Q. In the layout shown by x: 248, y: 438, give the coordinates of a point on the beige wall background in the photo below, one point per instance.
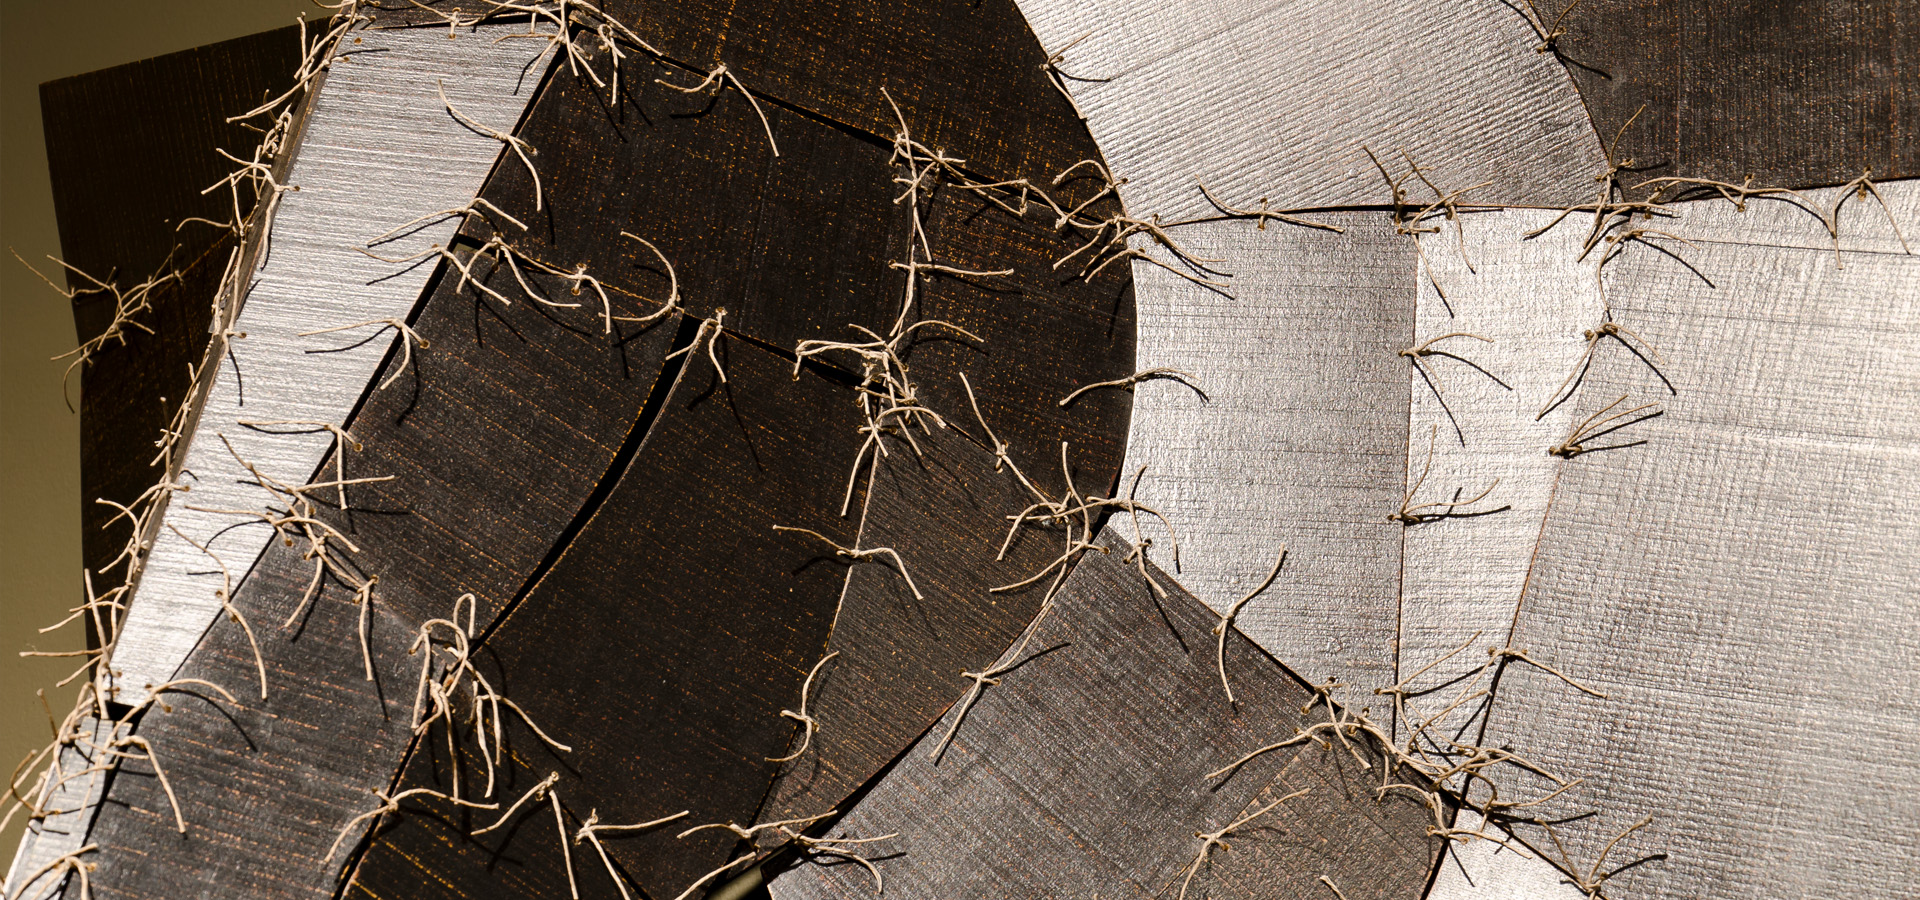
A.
x: 39, y: 438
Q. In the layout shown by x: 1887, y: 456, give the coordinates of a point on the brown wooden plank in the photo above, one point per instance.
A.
x: 1795, y: 95
x: 499, y: 435
x: 129, y: 150
x: 799, y: 247
x: 1346, y: 834
x: 661, y: 647
x: 944, y: 512
x: 1085, y: 768
x: 973, y: 71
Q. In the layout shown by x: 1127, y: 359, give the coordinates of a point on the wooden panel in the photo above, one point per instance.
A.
x: 661, y: 647
x: 129, y: 149
x: 1462, y: 574
x: 1740, y: 584
x: 1264, y: 98
x: 263, y: 785
x: 1086, y: 765
x: 1301, y: 438
x: 1339, y: 831
x: 799, y: 248
x: 1795, y: 95
x: 970, y: 71
x: 969, y: 74
x: 899, y: 659
x: 129, y: 396
x: 498, y: 435
x: 362, y: 171
x: 71, y: 798
x: 791, y: 248
x: 1484, y: 870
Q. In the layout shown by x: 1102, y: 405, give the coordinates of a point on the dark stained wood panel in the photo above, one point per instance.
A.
x: 800, y: 247
x: 129, y: 394
x: 662, y: 646
x: 264, y: 785
x: 794, y: 248
x: 969, y: 75
x: 791, y: 248
x: 972, y: 70
x: 129, y: 150
x: 1794, y: 94
x: 497, y: 437
x: 1085, y: 768
x: 944, y: 512
x: 1340, y: 831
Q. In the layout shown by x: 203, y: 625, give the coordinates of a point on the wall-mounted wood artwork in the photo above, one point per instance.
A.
x: 1025, y: 448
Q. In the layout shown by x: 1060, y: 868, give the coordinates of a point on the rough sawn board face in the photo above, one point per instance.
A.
x: 1272, y: 99
x: 1740, y: 585
x: 1301, y: 438
x: 362, y: 171
x: 660, y: 648
x: 1084, y: 769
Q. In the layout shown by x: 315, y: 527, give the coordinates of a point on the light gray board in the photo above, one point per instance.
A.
x: 1743, y: 585
x: 72, y: 798
x: 1274, y: 98
x: 1534, y: 298
x: 379, y: 149
x: 1303, y: 439
x: 1485, y: 870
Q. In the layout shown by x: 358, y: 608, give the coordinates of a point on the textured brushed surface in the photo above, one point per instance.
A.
x: 1274, y: 98
x: 1302, y: 439
x: 379, y: 149
x: 1484, y: 870
x: 1463, y: 574
x: 1742, y: 585
x: 72, y: 798
x: 1083, y: 772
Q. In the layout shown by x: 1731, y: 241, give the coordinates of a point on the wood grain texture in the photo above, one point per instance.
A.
x: 1301, y: 439
x: 1262, y: 98
x: 1462, y: 575
x: 361, y: 172
x: 129, y: 150
x: 499, y: 436
x: 1484, y: 870
x: 1796, y: 95
x: 264, y: 785
x: 1340, y: 830
x: 1084, y: 769
x: 1740, y: 585
x: 944, y: 511
x: 970, y: 73
x: 72, y: 798
x: 267, y: 787
x: 800, y: 247
x: 662, y: 645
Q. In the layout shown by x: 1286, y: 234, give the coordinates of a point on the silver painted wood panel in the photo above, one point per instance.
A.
x: 1274, y: 98
x: 1463, y: 575
x: 1302, y: 437
x: 1484, y: 870
x: 379, y: 150
x: 71, y: 799
x: 1742, y: 585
